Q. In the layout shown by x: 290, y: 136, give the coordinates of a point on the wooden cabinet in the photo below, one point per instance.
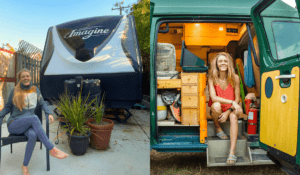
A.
x: 193, y: 99
x: 189, y: 79
x: 192, y: 86
x: 189, y: 101
x: 189, y: 90
x: 192, y: 93
x: 189, y: 98
x: 189, y: 117
x: 168, y: 84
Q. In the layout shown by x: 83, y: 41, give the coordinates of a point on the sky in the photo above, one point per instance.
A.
x: 30, y: 20
x: 290, y: 2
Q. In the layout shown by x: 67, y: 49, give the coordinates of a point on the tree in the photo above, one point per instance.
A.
x: 141, y: 12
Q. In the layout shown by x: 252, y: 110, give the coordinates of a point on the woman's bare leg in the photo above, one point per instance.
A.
x: 216, y: 111
x: 233, y: 132
x: 21, y: 125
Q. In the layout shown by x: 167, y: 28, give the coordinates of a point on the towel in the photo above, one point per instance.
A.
x: 248, y: 69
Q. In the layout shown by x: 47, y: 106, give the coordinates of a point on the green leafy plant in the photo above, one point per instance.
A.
x: 76, y: 112
x: 99, y: 110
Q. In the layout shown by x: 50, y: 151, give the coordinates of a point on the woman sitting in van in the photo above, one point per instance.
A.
x: 224, y: 94
x: 22, y: 102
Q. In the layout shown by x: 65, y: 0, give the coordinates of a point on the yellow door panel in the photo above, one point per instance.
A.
x: 279, y: 120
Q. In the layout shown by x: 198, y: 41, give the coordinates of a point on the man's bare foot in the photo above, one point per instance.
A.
x: 58, y: 153
x: 25, y: 170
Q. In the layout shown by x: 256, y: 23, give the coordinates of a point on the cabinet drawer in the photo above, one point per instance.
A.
x: 189, y: 117
x: 189, y: 78
x: 189, y: 101
x: 189, y: 90
x: 168, y: 84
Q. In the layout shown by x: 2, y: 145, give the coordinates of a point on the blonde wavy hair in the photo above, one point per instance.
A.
x: 214, y: 72
x: 19, y: 93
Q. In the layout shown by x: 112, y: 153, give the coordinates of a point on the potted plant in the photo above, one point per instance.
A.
x: 76, y: 112
x: 101, y: 128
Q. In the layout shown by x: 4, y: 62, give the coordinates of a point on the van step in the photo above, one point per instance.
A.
x: 221, y: 160
x: 218, y: 151
x: 211, y: 131
x: 220, y: 148
x: 180, y: 147
x: 259, y: 157
x: 179, y: 143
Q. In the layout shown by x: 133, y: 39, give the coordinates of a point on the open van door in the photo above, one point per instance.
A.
x: 278, y: 34
x: 153, y: 131
x: 151, y: 11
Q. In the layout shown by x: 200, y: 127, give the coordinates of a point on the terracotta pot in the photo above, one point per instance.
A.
x: 100, y: 133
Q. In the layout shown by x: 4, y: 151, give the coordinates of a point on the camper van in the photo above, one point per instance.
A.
x: 101, y: 48
x: 261, y: 36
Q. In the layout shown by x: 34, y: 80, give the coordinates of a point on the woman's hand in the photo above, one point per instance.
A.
x: 51, y: 119
x: 224, y: 116
x: 237, y: 107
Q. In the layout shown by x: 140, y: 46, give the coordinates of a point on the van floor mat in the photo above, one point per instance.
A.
x: 217, y: 138
x: 224, y: 159
x: 259, y: 157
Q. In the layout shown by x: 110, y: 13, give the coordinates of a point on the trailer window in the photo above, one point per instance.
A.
x: 84, y: 36
x: 287, y: 38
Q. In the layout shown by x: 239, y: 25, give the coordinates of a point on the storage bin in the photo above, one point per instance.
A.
x: 167, y: 74
x: 166, y: 57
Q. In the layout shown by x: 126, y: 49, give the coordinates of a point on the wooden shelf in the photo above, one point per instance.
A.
x: 165, y: 123
x: 168, y: 123
x: 168, y: 83
x: 193, y: 101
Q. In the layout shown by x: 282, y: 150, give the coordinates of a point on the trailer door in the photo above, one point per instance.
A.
x: 277, y: 28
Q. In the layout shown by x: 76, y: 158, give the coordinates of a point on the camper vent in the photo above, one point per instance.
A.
x: 175, y: 31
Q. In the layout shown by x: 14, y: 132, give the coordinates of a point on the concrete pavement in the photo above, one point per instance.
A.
x: 128, y: 152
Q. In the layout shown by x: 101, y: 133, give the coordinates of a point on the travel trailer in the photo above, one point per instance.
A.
x: 185, y: 36
x: 104, y: 48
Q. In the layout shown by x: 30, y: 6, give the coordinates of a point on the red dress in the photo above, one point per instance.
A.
x: 228, y: 93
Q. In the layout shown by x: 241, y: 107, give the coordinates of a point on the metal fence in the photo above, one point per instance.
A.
x: 29, y: 56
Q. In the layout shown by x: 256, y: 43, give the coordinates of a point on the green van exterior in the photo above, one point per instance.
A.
x: 278, y: 62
